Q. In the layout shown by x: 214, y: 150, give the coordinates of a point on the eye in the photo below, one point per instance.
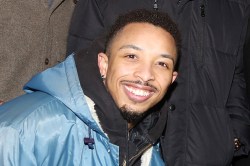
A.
x: 131, y: 56
x: 165, y: 65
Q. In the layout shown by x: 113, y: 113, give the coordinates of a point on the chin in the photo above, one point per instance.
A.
x: 131, y: 115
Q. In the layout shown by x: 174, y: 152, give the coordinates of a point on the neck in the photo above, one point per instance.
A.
x: 130, y: 126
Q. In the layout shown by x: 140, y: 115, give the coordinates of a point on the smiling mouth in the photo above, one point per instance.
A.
x: 138, y: 93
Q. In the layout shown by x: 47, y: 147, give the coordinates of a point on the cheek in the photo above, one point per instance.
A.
x: 114, y: 76
x: 164, y: 83
x: 117, y: 72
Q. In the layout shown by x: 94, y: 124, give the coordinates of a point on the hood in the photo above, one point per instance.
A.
x: 92, y: 84
x: 62, y: 82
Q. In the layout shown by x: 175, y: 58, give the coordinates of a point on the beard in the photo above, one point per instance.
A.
x: 131, y: 115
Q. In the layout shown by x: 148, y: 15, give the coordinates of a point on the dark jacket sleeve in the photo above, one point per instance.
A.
x: 86, y: 24
x: 239, y: 106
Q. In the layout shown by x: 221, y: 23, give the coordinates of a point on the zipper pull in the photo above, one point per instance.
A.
x: 89, y: 140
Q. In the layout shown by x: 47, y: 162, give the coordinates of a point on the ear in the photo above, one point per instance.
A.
x: 103, y: 64
x: 174, y: 76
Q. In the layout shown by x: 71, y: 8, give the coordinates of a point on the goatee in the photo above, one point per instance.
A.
x: 131, y: 115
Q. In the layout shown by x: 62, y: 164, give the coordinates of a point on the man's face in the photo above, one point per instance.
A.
x: 140, y: 67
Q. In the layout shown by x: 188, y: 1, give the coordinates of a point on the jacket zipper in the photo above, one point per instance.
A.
x: 202, y: 15
x: 140, y: 152
x: 202, y: 8
x: 126, y: 161
x: 155, y: 6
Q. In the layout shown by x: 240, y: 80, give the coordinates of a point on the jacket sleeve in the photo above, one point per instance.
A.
x: 239, y: 106
x: 12, y: 151
x: 86, y: 24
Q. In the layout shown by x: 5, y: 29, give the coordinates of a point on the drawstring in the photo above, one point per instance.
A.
x: 89, y: 140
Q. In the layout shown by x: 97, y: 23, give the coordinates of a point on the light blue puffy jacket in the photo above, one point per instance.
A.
x: 47, y: 126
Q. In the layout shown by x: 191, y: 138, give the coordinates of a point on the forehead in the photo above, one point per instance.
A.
x: 146, y: 36
x: 140, y: 27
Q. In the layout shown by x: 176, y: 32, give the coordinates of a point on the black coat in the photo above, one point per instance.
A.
x: 209, y: 107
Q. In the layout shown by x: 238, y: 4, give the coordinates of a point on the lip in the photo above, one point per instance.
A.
x: 138, y: 93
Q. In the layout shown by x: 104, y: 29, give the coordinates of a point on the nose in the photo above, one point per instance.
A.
x: 145, y: 72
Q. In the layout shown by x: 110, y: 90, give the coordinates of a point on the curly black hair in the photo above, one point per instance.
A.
x: 155, y: 18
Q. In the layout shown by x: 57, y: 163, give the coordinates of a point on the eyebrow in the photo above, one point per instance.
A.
x: 130, y: 46
x: 168, y: 56
x: 139, y: 49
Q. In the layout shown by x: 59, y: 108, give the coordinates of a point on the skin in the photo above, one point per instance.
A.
x: 140, y: 66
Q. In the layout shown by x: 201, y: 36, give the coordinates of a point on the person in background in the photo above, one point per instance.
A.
x: 209, y: 119
x: 33, y: 37
x: 98, y: 108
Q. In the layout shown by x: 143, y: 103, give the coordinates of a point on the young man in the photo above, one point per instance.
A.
x: 103, y: 110
x: 209, y: 122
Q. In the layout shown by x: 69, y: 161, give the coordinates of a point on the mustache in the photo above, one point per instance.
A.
x: 139, y: 82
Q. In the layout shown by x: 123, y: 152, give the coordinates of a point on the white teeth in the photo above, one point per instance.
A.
x: 137, y: 92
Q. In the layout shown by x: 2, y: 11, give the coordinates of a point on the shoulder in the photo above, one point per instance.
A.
x: 32, y: 108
